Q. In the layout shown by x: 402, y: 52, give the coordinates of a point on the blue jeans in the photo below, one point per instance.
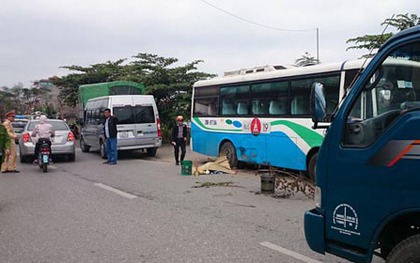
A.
x: 111, y: 150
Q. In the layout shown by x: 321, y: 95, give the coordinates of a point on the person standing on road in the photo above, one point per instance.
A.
x: 4, y: 145
x: 110, y: 131
x: 179, y: 138
x: 9, y: 163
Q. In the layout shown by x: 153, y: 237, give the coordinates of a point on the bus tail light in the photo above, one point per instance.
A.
x: 159, y: 130
x: 26, y: 137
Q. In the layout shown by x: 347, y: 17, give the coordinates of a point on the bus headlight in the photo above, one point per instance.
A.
x: 318, y: 196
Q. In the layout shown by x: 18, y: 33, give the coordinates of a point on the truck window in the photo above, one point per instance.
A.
x: 393, y: 89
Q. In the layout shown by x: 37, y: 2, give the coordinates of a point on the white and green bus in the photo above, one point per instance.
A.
x: 263, y: 116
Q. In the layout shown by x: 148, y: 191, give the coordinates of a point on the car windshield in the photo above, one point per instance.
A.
x: 19, y: 125
x: 57, y: 125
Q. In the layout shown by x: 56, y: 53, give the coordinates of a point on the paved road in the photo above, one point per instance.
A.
x: 144, y: 210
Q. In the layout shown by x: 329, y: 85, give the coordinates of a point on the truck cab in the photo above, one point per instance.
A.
x: 367, y: 172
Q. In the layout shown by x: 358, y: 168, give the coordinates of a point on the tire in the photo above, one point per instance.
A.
x: 71, y: 157
x: 102, y: 150
x: 385, y: 250
x: 312, y: 167
x: 151, y: 151
x: 83, y: 146
x: 44, y: 167
x: 407, y: 250
x: 23, y: 159
x: 229, y: 151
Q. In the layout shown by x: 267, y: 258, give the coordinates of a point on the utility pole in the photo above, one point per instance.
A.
x: 317, y: 44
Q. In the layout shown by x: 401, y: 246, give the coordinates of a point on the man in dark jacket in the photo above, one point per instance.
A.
x: 110, y: 131
x: 179, y: 138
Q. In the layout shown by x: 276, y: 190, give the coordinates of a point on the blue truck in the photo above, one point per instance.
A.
x: 368, y: 168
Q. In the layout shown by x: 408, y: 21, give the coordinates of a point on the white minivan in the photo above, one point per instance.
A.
x: 138, y: 123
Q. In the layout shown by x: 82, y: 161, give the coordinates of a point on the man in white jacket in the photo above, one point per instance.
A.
x: 43, y: 130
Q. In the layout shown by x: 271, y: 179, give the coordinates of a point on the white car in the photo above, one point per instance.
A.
x: 62, y: 144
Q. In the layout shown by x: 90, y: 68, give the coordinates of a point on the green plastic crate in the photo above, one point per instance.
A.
x: 186, y: 167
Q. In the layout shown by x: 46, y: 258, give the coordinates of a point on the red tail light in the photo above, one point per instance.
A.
x: 158, y: 128
x: 70, y: 137
x: 26, y: 137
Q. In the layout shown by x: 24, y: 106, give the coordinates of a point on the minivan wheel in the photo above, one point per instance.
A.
x: 102, y: 149
x: 83, y: 146
x: 151, y: 151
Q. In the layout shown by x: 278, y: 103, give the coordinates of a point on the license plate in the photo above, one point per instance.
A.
x: 123, y: 134
x: 45, y: 158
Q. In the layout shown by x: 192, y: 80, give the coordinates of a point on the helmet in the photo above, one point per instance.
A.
x: 179, y: 118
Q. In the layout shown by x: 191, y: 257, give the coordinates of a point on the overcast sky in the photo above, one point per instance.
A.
x: 39, y: 36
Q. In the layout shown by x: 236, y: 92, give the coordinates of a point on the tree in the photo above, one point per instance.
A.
x: 103, y: 72
x: 374, y: 42
x: 306, y: 60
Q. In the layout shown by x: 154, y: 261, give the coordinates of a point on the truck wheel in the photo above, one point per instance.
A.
x: 102, y: 149
x: 151, y: 151
x: 83, y: 146
x: 229, y: 151
x: 312, y: 167
x: 407, y: 250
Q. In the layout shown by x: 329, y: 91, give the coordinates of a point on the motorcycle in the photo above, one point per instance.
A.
x: 75, y: 130
x: 44, y: 155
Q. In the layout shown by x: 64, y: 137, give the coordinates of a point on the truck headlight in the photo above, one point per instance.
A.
x: 318, y: 196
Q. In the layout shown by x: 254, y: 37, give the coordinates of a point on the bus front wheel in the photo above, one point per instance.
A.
x: 229, y: 151
x: 312, y: 167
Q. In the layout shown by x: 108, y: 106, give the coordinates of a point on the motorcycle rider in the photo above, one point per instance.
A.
x: 44, y: 130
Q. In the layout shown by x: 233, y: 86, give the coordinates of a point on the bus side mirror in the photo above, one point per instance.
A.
x: 318, y: 104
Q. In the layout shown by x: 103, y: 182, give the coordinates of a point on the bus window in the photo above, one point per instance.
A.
x: 277, y: 107
x: 259, y: 107
x: 242, y: 108
x: 206, y: 107
x: 227, y: 108
x: 270, y: 98
x: 234, y: 100
x: 300, y: 92
x: 206, y: 101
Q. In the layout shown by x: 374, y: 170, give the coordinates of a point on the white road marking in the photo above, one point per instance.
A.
x: 289, y: 252
x: 109, y: 188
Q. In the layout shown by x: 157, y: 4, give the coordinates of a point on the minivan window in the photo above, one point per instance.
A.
x: 134, y: 114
